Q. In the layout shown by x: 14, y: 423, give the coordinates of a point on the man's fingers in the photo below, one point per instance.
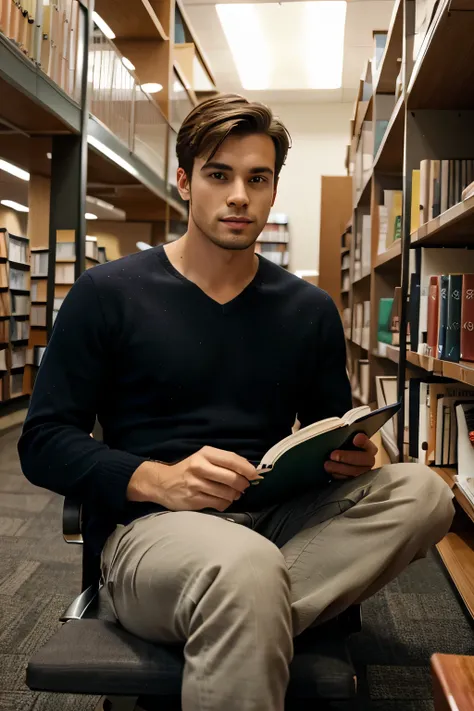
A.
x: 361, y: 440
x: 232, y: 461
x: 353, y: 457
x: 217, y: 491
x: 231, y: 479
x: 344, y: 470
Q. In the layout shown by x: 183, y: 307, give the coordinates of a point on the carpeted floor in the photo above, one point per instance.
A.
x: 412, y: 618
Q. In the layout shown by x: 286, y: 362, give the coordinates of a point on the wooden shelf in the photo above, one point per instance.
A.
x: 457, y: 553
x: 392, y: 257
x: 389, y: 158
x: 364, y: 197
x: 360, y: 279
x: 441, y: 77
x: 390, y: 66
x: 455, y: 226
x: 389, y: 352
x: 463, y: 372
x: 132, y: 20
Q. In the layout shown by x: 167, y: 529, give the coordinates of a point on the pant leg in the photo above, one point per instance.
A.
x: 350, y: 541
x: 217, y: 587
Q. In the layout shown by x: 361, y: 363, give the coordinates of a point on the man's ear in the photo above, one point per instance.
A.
x: 275, y: 189
x: 184, y: 187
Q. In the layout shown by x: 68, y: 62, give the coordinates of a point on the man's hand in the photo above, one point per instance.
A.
x: 210, y: 478
x: 351, y: 463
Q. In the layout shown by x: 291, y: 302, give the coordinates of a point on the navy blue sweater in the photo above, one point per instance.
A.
x: 167, y: 370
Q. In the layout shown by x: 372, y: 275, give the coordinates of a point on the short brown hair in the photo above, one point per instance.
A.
x: 208, y: 125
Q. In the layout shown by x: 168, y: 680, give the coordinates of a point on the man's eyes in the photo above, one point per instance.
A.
x: 255, y: 179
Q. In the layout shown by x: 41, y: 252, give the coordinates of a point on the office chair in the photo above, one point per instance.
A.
x: 92, y: 654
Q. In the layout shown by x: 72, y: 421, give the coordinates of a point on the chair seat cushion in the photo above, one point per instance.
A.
x: 96, y: 656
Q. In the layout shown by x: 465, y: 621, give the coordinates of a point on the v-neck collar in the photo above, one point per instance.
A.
x: 229, y: 305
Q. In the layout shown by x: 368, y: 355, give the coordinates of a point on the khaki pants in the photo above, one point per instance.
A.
x: 236, y: 595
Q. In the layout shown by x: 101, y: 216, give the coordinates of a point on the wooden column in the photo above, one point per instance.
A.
x: 336, y: 211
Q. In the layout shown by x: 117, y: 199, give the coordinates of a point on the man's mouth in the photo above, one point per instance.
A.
x: 237, y: 222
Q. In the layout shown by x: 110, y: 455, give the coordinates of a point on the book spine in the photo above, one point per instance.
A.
x: 467, y: 318
x: 424, y: 190
x: 443, y: 314
x: 414, y: 310
x: 433, y: 298
x: 453, y: 324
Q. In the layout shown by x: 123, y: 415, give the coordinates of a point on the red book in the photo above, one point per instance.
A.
x: 467, y: 318
x: 433, y: 299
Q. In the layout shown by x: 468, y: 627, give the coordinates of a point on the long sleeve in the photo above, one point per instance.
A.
x: 56, y: 450
x: 326, y: 390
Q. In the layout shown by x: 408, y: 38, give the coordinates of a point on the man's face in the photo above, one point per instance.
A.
x: 232, y: 194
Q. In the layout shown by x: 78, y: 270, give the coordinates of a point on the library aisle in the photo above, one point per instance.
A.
x: 375, y: 205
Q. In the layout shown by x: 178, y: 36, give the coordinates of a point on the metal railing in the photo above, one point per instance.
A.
x: 119, y: 102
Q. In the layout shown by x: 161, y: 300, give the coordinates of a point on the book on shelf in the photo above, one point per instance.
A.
x: 39, y: 264
x: 3, y: 360
x: 92, y: 248
x: 65, y: 273
x: 16, y: 384
x: 415, y: 201
x: 39, y: 290
x: 465, y: 442
x: 364, y: 380
x: 18, y: 357
x: 38, y: 315
x: 450, y: 330
x: 18, y: 279
x: 441, y: 262
x: 385, y: 331
x: 390, y: 219
x: 66, y: 250
x: 102, y: 255
x: 19, y: 330
x: 442, y: 185
x: 18, y: 249
x: 296, y: 463
x: 20, y: 304
x: 432, y: 418
x: 386, y: 394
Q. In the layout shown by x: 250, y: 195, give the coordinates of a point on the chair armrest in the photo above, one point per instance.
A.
x: 80, y: 605
x: 72, y: 521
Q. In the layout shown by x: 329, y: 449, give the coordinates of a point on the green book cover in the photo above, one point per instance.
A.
x: 384, y: 334
x: 296, y: 464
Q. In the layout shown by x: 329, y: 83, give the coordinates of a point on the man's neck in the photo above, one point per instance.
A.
x: 221, y: 273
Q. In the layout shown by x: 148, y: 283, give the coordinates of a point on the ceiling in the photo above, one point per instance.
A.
x: 362, y: 17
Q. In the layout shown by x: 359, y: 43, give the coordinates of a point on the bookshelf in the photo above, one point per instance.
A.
x: 416, y: 105
x: 274, y: 240
x: 85, y: 129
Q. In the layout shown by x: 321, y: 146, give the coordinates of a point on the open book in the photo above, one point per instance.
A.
x: 296, y: 464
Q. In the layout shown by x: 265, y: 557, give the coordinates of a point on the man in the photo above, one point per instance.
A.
x: 196, y: 358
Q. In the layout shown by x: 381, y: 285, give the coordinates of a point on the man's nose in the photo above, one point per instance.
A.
x: 238, y: 195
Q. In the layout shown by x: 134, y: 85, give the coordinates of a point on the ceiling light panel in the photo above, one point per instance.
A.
x: 294, y: 45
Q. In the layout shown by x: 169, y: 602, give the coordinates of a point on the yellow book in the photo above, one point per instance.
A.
x: 415, y: 200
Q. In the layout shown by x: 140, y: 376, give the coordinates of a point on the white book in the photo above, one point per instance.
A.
x: 465, y: 475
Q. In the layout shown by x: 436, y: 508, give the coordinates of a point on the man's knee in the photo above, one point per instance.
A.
x: 423, y: 494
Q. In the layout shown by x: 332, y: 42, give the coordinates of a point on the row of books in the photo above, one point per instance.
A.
x: 19, y: 330
x: 388, y: 324
x: 441, y: 314
x: 362, y: 246
x: 51, y: 41
x: 361, y: 324
x: 18, y: 249
x: 437, y: 186
x: 39, y: 263
x: 276, y: 253
x: 432, y: 422
x: 360, y: 381
x: 390, y: 219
